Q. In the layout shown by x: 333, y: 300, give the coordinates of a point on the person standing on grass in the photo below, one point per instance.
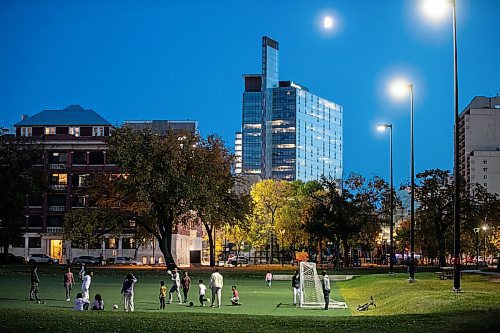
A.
x: 326, y: 289
x: 296, y: 287
x: 186, y: 283
x: 176, y: 285
x: 128, y: 292
x: 269, y: 278
x: 68, y: 283
x: 34, y: 284
x: 202, y: 289
x: 81, y: 273
x: 87, y: 280
x: 163, y: 294
x: 216, y: 284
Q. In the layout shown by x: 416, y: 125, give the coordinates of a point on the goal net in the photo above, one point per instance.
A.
x: 311, y: 290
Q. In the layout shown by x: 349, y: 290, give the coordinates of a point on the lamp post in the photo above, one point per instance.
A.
x: 399, y: 89
x: 383, y: 127
x: 437, y: 9
x: 476, y: 231
x: 282, y: 232
x: 484, y: 230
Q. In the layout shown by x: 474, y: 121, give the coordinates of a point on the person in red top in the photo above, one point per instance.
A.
x: 235, y: 300
x: 68, y: 283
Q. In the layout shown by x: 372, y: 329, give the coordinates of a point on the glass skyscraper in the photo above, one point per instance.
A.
x: 288, y: 132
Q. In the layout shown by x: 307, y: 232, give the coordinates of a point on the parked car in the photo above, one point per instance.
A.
x: 42, y: 258
x: 126, y: 261
x: 9, y: 258
x: 237, y: 260
x: 110, y: 261
x: 87, y: 260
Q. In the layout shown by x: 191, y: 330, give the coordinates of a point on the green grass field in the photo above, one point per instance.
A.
x: 425, y: 306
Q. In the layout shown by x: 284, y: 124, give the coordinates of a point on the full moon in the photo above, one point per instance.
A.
x: 327, y: 22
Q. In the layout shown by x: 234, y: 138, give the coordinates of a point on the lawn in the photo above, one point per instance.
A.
x: 425, y: 306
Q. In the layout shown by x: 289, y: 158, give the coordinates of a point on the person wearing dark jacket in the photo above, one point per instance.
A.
x: 296, y: 287
x: 185, y: 283
x: 128, y: 292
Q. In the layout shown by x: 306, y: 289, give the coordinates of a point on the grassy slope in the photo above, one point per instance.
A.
x: 422, y: 307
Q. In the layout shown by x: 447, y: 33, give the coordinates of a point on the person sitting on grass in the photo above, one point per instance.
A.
x: 98, y: 303
x: 235, y: 300
x: 80, y: 302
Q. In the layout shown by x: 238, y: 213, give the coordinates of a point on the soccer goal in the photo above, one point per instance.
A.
x: 311, y: 290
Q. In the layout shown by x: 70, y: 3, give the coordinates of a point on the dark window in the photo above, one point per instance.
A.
x: 96, y: 158
x: 38, y: 131
x: 80, y: 157
x: 35, y: 221
x: 36, y: 199
x: 62, y: 130
x: 54, y: 221
x: 128, y: 243
x: 56, y: 200
x: 78, y: 201
x: 57, y: 158
x: 18, y: 242
x: 106, y: 131
x: 35, y: 242
x: 85, y: 131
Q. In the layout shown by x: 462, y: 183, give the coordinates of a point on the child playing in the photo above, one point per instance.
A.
x: 80, y: 302
x: 235, y: 300
x: 269, y: 278
x: 98, y: 303
x: 202, y: 291
x: 163, y: 294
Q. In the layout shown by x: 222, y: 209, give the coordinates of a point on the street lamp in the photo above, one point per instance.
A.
x: 476, y: 231
x: 437, y: 9
x: 383, y: 127
x: 399, y: 89
x: 484, y: 230
x: 282, y: 232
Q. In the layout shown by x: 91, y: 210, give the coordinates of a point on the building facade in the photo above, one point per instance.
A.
x: 288, y: 132
x: 479, y: 145
x: 74, y: 148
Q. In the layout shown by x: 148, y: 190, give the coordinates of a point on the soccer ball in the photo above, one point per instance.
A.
x: 169, y: 272
x: 115, y: 306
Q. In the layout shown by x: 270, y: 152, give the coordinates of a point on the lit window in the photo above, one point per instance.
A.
x: 98, y: 131
x: 74, y: 131
x: 50, y: 130
x: 26, y: 131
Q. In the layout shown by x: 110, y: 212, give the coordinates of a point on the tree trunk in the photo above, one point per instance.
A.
x: 318, y: 257
x: 6, y: 247
x: 165, y: 243
x: 441, y: 249
x: 346, y: 252
x: 211, y: 243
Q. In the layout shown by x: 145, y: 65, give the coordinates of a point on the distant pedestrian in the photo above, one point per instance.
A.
x: 128, y: 292
x: 202, y: 289
x: 216, y: 284
x: 176, y: 285
x: 34, y: 283
x: 269, y: 278
x: 185, y: 283
x: 87, y: 280
x: 81, y: 273
x: 296, y: 287
x: 98, y: 303
x: 68, y: 283
x: 80, y: 303
x: 163, y: 294
x: 326, y: 289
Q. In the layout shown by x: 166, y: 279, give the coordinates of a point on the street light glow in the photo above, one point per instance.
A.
x: 484, y: 228
x: 399, y: 88
x: 435, y: 10
x: 327, y: 22
x: 381, y: 127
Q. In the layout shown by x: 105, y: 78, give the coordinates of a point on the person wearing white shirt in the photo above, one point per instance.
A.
x: 87, y: 280
x: 202, y: 291
x: 326, y: 289
x: 176, y: 284
x: 80, y: 302
x: 216, y: 284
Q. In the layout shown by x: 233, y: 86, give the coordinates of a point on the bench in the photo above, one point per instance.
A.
x: 445, y: 273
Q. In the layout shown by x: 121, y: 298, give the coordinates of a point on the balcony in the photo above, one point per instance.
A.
x: 58, y: 187
x: 57, y: 208
x: 55, y: 230
x: 58, y: 166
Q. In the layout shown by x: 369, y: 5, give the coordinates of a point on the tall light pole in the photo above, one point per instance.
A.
x: 476, y: 231
x: 383, y: 127
x: 437, y: 9
x: 399, y: 88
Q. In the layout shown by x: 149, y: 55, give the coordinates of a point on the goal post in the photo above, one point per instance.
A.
x: 311, y: 289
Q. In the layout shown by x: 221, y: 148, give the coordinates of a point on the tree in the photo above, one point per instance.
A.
x: 269, y: 196
x: 18, y: 179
